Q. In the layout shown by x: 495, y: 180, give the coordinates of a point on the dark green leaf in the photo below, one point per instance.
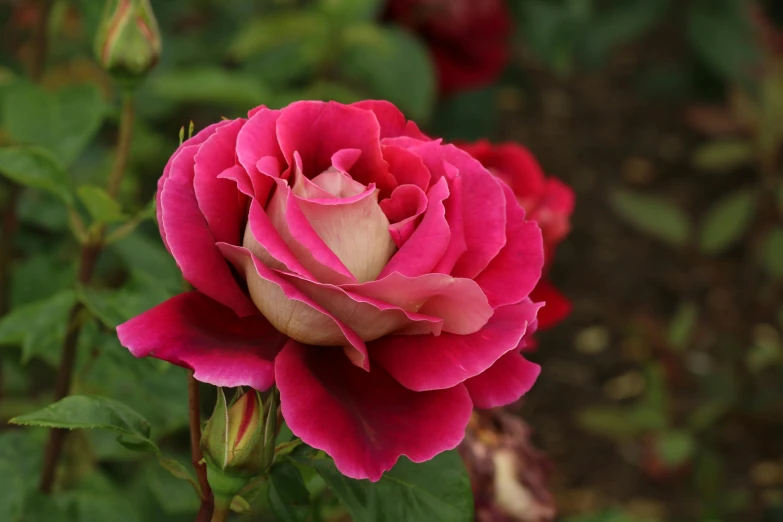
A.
x: 288, y: 495
x: 674, y: 447
x: 12, y: 492
x: 89, y: 412
x: 437, y: 490
x: 652, y: 215
x: 351, y: 11
x: 682, y: 325
x: 222, y: 87
x: 727, y: 221
x: 773, y: 253
x: 723, y: 156
x: 392, y: 65
x: 63, y: 122
x: 101, y: 206
x: 39, y: 326
x: 34, y: 167
x: 721, y: 33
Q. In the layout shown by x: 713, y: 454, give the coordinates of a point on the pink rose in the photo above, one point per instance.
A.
x: 379, y: 278
x: 548, y: 201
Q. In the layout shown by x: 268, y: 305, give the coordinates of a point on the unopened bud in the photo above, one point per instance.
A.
x: 128, y: 41
x: 239, y: 442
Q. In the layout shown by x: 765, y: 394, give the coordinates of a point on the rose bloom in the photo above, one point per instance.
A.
x: 379, y: 278
x: 468, y: 39
x: 548, y: 201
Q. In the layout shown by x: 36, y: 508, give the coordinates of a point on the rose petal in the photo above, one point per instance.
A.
x: 217, y: 198
x: 506, y: 381
x: 308, y: 248
x: 459, y: 302
x: 514, y: 272
x: 336, y: 127
x: 406, y: 166
x: 364, y: 420
x: 195, y: 332
x: 258, y: 140
x: 370, y: 318
x: 557, y: 307
x: 291, y: 311
x: 432, y: 363
x: 427, y: 244
x: 403, y: 209
x: 484, y: 213
x: 391, y: 120
x: 190, y: 240
x: 198, y: 139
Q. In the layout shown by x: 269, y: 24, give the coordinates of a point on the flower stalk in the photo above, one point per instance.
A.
x: 89, y: 257
x: 197, y: 458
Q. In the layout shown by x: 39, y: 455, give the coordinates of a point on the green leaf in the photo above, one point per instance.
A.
x: 773, y: 253
x: 674, y: 447
x: 12, y: 492
x: 148, y: 259
x: 620, y: 23
x: 175, y: 496
x: 469, y: 115
x: 723, y: 156
x: 682, y: 325
x: 63, y: 122
x: 727, y: 221
x: 39, y: 327
x: 101, y: 206
x: 90, y: 412
x: 722, y: 35
x: 392, y: 65
x: 436, y: 490
x: 213, y: 85
x: 351, y: 11
x: 652, y: 215
x: 551, y: 29
x: 288, y: 495
x: 34, y: 167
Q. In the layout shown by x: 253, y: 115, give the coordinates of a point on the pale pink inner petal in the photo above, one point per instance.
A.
x: 291, y: 311
x: 350, y: 223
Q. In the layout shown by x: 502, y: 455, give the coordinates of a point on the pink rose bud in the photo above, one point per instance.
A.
x: 238, y: 442
x: 128, y: 41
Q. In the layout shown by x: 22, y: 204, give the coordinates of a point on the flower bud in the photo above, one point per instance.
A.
x: 128, y: 41
x: 239, y: 442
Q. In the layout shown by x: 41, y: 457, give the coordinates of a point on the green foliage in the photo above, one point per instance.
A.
x: 288, y: 495
x: 62, y: 122
x: 100, y: 205
x: 727, y: 220
x: 723, y: 156
x: 773, y: 253
x: 85, y: 412
x: 384, y: 61
x: 652, y: 215
x: 437, y: 490
x: 721, y: 33
x: 34, y: 167
x: 38, y: 327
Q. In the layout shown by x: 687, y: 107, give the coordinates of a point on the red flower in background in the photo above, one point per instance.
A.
x: 547, y: 200
x: 468, y: 39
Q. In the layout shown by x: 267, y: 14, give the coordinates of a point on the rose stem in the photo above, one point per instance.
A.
x: 89, y: 256
x: 207, y: 500
x: 8, y: 221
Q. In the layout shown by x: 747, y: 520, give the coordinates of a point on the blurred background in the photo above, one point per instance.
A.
x: 661, y: 395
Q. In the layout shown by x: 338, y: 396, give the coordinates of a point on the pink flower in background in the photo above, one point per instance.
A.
x: 379, y: 278
x: 548, y: 201
x: 468, y: 39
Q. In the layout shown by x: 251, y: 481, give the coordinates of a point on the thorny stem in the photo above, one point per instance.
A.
x: 207, y: 499
x: 89, y: 257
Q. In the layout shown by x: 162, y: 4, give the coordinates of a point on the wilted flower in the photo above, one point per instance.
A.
x: 127, y: 44
x: 508, y: 474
